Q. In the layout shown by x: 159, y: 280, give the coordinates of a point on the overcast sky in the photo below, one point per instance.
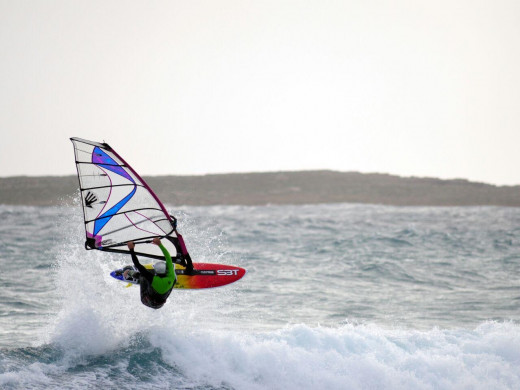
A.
x: 414, y: 88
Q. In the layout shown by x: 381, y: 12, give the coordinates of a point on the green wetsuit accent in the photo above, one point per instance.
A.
x: 162, y: 284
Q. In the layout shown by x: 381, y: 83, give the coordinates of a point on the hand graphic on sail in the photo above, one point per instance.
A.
x: 90, y: 199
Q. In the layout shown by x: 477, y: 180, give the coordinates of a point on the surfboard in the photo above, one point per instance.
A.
x: 204, y: 275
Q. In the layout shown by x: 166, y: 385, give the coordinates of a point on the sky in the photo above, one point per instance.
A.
x: 406, y: 87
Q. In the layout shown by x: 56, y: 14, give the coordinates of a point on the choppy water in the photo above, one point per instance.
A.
x: 336, y: 297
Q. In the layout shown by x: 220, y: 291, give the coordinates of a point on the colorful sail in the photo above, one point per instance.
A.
x: 118, y: 205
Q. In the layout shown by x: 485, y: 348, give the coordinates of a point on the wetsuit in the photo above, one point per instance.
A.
x: 155, y: 289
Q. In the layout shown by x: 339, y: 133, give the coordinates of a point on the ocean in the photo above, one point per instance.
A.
x: 337, y: 296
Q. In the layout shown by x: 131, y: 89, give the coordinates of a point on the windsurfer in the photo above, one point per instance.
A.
x: 155, y: 287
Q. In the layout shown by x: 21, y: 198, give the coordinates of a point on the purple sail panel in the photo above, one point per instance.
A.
x: 102, y: 159
x: 96, y: 239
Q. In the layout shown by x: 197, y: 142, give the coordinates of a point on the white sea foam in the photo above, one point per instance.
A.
x: 352, y: 356
x: 296, y: 357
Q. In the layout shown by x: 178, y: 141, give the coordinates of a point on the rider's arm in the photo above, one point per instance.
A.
x: 144, y: 272
x: 136, y: 262
x: 169, y: 262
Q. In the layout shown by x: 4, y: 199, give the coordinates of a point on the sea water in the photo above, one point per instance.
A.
x: 337, y: 296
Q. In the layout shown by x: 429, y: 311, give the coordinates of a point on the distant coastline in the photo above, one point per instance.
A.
x: 304, y: 187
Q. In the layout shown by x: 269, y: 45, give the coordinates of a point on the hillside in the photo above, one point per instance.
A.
x: 279, y: 188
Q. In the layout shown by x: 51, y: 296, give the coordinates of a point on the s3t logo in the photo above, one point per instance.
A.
x: 227, y: 272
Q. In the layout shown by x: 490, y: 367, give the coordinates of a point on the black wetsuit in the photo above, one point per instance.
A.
x: 149, y: 297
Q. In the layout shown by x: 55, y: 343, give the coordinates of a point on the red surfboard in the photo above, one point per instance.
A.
x: 205, y: 275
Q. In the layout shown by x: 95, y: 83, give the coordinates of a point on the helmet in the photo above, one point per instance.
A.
x: 160, y: 268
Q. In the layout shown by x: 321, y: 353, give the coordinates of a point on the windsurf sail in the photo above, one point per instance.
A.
x: 118, y: 206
